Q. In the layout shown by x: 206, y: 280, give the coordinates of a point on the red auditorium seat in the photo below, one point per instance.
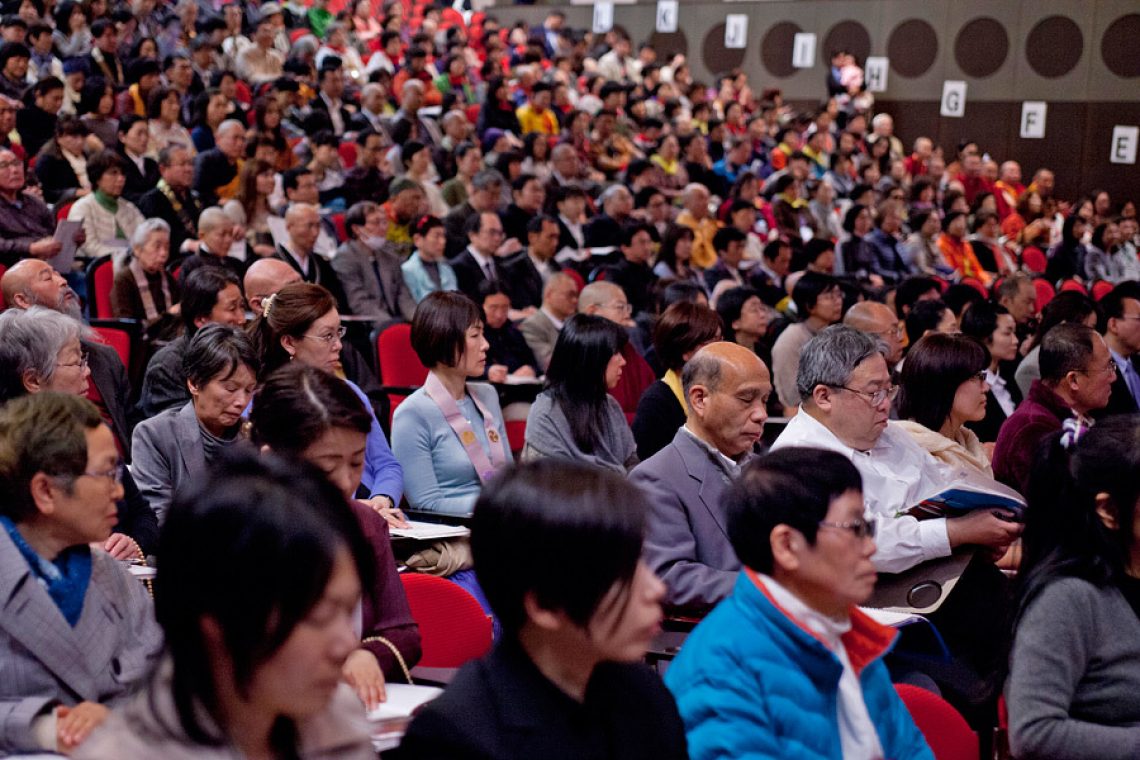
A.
x: 945, y: 730
x: 453, y: 627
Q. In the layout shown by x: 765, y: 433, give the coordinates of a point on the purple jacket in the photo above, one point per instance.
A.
x: 1036, y: 418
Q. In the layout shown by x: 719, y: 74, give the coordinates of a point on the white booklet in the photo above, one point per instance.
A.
x: 425, y: 531
x: 403, y: 700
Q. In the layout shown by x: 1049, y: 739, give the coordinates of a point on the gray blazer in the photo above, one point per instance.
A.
x: 541, y: 335
x: 168, y: 453
x: 383, y: 299
x: 44, y: 661
x: 687, y: 537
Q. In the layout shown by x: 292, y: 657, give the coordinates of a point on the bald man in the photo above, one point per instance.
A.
x: 879, y: 321
x: 726, y: 390
x: 264, y: 278
x: 303, y: 223
x: 32, y: 282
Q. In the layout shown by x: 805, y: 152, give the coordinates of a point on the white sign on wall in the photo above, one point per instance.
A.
x: 667, y: 16
x: 1033, y: 119
x: 736, y: 31
x: 803, y: 50
x: 603, y: 17
x: 875, y: 73
x: 1124, y: 141
x: 953, y: 99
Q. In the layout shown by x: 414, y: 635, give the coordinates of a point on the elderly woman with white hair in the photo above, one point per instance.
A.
x: 40, y: 351
x: 143, y: 289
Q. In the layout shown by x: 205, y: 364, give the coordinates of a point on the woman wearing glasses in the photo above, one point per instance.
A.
x: 943, y: 389
x: 40, y: 350
x: 301, y: 323
x: 175, y: 448
x: 788, y: 664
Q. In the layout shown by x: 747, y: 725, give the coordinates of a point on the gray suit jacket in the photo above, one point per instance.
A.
x: 687, y: 539
x: 168, y: 454
x: 385, y: 299
x: 44, y: 661
x: 541, y: 335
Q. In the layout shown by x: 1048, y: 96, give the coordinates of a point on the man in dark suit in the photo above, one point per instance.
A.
x: 173, y: 200
x: 1122, y: 335
x: 104, y: 60
x: 687, y: 540
x: 216, y: 170
x: 303, y: 223
x: 480, y: 260
x: 486, y: 194
x: 331, y: 83
x: 528, y: 272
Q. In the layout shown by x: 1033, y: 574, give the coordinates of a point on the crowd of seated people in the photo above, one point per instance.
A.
x: 708, y: 342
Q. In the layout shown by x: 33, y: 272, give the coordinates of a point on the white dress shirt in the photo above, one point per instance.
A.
x: 897, y: 474
x: 1000, y: 391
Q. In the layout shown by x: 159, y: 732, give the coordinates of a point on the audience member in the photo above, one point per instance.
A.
x: 606, y: 299
x: 1067, y: 306
x: 682, y: 329
x: 79, y: 629
x: 575, y: 417
x: 143, y: 290
x: 449, y: 435
x: 564, y: 680
x: 795, y: 519
x: 426, y: 270
x: 995, y: 328
x: 172, y: 198
x: 726, y: 391
x: 1121, y: 334
x: 215, y: 244
x: 303, y: 224
x: 559, y: 302
x: 108, y: 219
x: 369, y: 270
x: 509, y: 358
x: 175, y: 448
x: 819, y: 303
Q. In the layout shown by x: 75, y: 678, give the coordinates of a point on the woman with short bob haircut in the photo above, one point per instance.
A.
x: 680, y: 332
x: 300, y: 322
x: 568, y: 664
x: 311, y: 416
x: 943, y: 388
x: 449, y: 435
x: 176, y: 447
x: 262, y: 568
x: 1075, y: 663
x: 576, y: 417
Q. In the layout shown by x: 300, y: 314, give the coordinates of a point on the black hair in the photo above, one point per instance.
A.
x: 924, y: 317
x: 218, y: 351
x: 1066, y: 306
x: 128, y: 121
x: 103, y: 162
x: 291, y: 178
x: 809, y: 288
x: 1112, y: 305
x: 729, y: 305
x: 935, y: 367
x: 439, y: 327
x: 1064, y: 535
x: 561, y: 506
x: 668, y: 252
x: 299, y: 403
x: 155, y: 100
x: 981, y: 319
x: 683, y: 328
x: 960, y: 296
x: 426, y: 224
x: 1064, y: 349
x: 537, y: 222
x: 252, y: 548
x: 576, y: 377
x: 792, y: 486
x: 772, y: 249
x: 200, y: 290
x: 725, y: 236
x: 910, y: 290
x: 324, y: 137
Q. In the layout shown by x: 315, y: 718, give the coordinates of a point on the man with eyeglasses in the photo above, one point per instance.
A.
x: 879, y: 321
x: 77, y: 631
x: 787, y: 665
x: 480, y: 262
x: 1077, y: 374
x: 303, y: 225
x: 1121, y: 310
x: 27, y: 225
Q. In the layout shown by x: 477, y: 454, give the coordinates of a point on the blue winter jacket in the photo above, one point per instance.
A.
x: 750, y: 682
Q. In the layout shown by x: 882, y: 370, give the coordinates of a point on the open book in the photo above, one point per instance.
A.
x: 425, y: 531
x: 390, y: 720
x: 968, y: 490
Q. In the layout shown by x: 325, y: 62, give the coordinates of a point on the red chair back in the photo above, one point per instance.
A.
x: 1034, y: 259
x: 100, y: 278
x: 976, y: 285
x: 516, y: 435
x: 1045, y: 293
x: 62, y: 212
x: 399, y: 364
x: 347, y: 151
x: 120, y: 340
x: 341, y: 229
x: 576, y: 277
x: 945, y: 730
x: 453, y: 627
x: 1100, y: 289
x: 1074, y: 285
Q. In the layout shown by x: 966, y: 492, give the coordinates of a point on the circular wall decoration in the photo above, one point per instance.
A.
x: 719, y: 59
x: 850, y: 36
x: 1118, y: 46
x: 912, y: 48
x: 669, y: 44
x: 1054, y: 46
x: 982, y: 47
x: 776, y: 48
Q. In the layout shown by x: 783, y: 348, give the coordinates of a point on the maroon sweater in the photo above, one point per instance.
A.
x: 1040, y: 414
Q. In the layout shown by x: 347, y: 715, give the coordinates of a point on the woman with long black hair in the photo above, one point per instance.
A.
x: 576, y: 417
